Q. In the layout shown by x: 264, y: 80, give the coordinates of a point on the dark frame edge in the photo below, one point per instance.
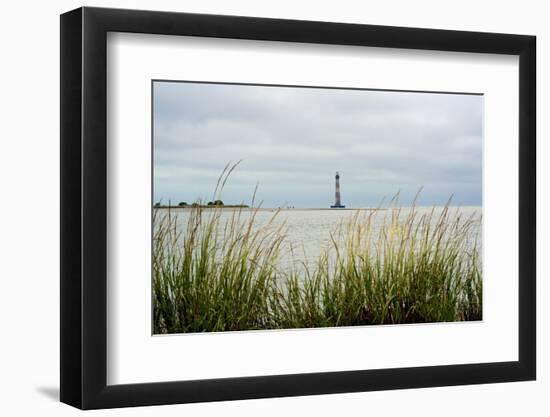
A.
x: 70, y: 207
x: 245, y: 388
x: 527, y: 268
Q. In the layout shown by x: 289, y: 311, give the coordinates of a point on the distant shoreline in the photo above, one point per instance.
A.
x: 267, y: 208
x: 296, y: 209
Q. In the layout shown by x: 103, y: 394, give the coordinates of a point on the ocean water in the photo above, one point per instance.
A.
x: 309, y: 231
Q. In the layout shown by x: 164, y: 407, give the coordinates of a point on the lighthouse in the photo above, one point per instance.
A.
x: 337, y: 202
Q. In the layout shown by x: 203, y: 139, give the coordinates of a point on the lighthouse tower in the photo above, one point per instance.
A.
x: 338, y: 202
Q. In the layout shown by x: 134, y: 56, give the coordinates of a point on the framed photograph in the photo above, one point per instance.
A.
x: 257, y: 208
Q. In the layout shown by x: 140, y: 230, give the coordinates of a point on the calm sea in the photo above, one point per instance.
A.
x: 308, y: 231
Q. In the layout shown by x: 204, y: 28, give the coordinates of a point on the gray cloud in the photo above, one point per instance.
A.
x: 292, y: 140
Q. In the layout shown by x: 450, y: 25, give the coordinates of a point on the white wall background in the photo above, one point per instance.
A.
x: 29, y: 219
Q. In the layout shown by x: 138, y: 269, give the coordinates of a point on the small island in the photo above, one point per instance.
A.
x: 210, y: 204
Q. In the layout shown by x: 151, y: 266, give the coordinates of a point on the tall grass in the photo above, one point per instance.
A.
x: 414, y: 269
x: 222, y: 272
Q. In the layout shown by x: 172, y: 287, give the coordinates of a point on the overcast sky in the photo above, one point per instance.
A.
x: 292, y: 141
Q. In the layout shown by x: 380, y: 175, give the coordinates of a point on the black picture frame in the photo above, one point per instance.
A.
x: 84, y: 207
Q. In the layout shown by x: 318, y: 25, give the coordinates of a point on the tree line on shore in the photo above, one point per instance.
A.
x: 215, y: 203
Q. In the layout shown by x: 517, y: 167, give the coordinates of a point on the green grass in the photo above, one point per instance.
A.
x: 223, y: 273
